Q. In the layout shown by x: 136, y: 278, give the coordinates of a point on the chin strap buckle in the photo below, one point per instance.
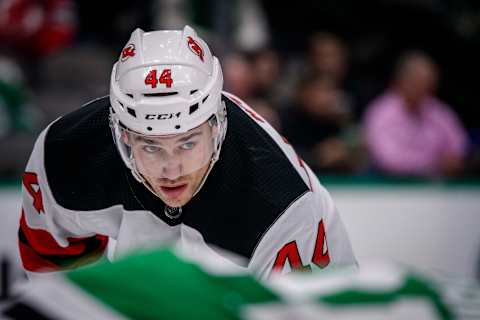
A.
x: 172, y: 212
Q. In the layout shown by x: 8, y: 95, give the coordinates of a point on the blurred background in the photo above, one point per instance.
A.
x: 379, y: 98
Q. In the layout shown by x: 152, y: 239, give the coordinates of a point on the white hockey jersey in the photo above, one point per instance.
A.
x: 260, y: 201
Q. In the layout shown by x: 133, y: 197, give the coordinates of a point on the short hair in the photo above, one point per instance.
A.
x: 407, y: 58
x: 311, y: 77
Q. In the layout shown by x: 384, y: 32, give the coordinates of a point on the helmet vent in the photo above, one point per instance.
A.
x: 130, y: 95
x: 205, y: 99
x: 132, y: 112
x: 193, y: 108
x: 160, y: 94
x: 193, y: 91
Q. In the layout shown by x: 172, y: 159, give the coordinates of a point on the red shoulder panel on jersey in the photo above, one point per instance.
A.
x: 40, y: 252
x: 34, y: 262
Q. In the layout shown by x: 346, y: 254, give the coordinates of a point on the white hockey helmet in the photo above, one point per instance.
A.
x: 164, y: 84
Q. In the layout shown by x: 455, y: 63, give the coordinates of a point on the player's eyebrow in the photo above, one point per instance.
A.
x: 146, y: 140
x: 186, y: 138
x: 156, y: 142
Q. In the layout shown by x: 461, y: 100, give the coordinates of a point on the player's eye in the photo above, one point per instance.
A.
x: 150, y: 148
x: 188, y: 145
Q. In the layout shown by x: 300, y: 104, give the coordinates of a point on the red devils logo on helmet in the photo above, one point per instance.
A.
x: 195, y: 47
x: 128, y: 51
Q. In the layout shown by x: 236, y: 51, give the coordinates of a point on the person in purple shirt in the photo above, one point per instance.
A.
x: 408, y: 130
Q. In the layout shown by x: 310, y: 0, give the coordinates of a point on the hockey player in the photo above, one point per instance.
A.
x: 188, y: 165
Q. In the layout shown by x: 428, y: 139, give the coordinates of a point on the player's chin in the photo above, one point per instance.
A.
x: 175, y: 201
x: 178, y: 202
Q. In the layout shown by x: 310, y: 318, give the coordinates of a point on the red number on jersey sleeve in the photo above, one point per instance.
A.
x: 30, y: 182
x: 290, y: 253
x: 320, y: 254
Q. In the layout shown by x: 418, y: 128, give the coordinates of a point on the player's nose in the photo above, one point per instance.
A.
x: 172, y: 170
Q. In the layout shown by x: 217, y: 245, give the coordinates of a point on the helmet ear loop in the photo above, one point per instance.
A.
x: 130, y: 158
x: 134, y: 169
x: 218, y: 122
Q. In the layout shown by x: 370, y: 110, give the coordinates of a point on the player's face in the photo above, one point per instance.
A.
x: 176, y: 193
x: 174, y: 166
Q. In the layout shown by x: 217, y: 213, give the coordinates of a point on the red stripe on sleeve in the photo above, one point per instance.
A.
x: 44, y: 243
x: 33, y: 262
x: 38, y: 249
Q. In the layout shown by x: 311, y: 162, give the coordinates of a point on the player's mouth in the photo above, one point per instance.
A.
x: 173, y: 192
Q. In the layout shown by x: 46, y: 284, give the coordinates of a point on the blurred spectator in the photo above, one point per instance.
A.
x: 87, y: 77
x: 318, y: 124
x: 13, y: 99
x: 267, y: 85
x: 238, y: 76
x: 265, y: 64
x: 266, y: 110
x: 32, y: 30
x: 254, y: 78
x: 411, y: 132
x: 36, y: 27
x: 19, y: 120
x: 328, y: 55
